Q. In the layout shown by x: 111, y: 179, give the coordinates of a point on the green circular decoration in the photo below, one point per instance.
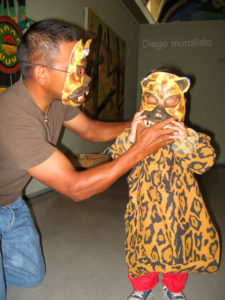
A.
x: 10, y: 36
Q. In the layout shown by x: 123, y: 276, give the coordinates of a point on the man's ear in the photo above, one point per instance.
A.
x: 40, y: 74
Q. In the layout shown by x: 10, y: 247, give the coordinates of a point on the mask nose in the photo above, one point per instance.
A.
x: 87, y: 80
x: 158, y: 114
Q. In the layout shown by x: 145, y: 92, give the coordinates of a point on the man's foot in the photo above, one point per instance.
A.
x: 139, y: 295
x: 173, y: 296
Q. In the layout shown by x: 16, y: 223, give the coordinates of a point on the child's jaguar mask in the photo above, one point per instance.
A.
x: 163, y: 96
x: 76, y: 86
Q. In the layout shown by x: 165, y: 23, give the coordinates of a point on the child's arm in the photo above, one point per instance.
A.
x: 192, y: 148
x: 126, y: 139
x: 120, y: 146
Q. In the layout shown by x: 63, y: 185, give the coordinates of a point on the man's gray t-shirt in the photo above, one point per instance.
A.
x: 26, y: 140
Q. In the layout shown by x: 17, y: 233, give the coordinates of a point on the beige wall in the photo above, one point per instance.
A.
x: 198, y: 49
x: 117, y: 17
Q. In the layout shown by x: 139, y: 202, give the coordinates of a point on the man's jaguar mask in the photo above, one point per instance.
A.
x: 163, y: 96
x: 76, y: 86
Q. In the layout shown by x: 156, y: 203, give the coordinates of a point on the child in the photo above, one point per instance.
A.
x: 168, y: 228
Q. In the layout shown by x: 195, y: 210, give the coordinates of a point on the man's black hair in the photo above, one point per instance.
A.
x: 40, y: 43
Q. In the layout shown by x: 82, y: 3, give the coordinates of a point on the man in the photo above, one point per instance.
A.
x: 31, y: 117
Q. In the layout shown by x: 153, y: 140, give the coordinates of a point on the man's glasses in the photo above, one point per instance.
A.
x: 44, y: 66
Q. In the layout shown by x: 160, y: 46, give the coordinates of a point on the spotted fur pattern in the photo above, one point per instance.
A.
x: 168, y: 228
x: 158, y: 89
x: 76, y: 83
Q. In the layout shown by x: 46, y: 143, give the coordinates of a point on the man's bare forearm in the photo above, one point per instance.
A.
x: 95, y: 131
x: 58, y: 173
x: 103, y: 131
x: 98, y: 179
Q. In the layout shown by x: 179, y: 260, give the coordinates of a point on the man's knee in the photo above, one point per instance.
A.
x: 25, y: 275
x: 34, y: 278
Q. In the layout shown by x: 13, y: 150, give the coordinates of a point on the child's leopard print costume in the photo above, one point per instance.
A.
x: 168, y: 228
x: 167, y: 224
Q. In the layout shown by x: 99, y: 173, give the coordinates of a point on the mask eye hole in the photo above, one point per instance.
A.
x: 80, y: 71
x: 150, y: 99
x: 172, y: 101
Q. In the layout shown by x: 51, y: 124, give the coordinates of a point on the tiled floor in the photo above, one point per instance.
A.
x: 84, y: 246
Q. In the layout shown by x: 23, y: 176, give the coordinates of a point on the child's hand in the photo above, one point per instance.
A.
x: 181, y: 130
x: 138, y: 118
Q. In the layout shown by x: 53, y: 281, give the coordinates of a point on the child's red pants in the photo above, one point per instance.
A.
x: 175, y: 282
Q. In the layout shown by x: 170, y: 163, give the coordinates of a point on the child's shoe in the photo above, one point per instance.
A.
x: 173, y: 296
x: 139, y: 295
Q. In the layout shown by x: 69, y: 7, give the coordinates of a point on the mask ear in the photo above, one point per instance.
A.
x: 144, y: 82
x: 183, y: 83
x: 87, y: 48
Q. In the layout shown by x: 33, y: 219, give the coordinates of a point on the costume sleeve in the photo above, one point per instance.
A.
x: 120, y: 146
x: 195, y: 151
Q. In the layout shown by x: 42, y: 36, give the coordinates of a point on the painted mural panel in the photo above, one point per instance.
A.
x: 106, y: 66
x: 13, y: 23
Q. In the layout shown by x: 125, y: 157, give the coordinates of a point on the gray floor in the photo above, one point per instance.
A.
x: 83, y: 246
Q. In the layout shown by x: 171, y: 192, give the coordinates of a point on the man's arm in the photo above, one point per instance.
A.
x: 58, y: 173
x: 95, y: 131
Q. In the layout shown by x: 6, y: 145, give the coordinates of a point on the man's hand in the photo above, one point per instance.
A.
x: 150, y: 139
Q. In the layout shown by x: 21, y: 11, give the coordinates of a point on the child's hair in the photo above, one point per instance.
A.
x: 168, y: 69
